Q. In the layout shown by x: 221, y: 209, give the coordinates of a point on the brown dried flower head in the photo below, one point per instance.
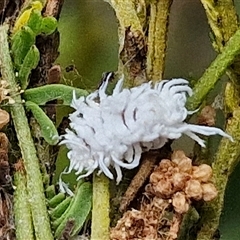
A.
x: 179, y: 180
x: 209, y: 192
x: 4, y: 118
x: 177, y: 156
x: 134, y: 224
x: 179, y: 175
x: 184, y: 164
x: 165, y: 165
x: 180, y: 203
x: 193, y: 189
x: 155, y: 177
x: 173, y: 185
x: 164, y: 188
x: 202, y: 173
x: 4, y: 92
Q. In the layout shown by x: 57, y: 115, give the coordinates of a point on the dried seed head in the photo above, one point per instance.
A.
x: 4, y: 91
x: 193, y: 189
x: 136, y: 225
x: 164, y: 165
x: 155, y: 177
x: 185, y: 165
x: 177, y: 156
x: 159, y: 203
x: 202, y: 173
x: 4, y: 141
x: 173, y: 185
x: 149, y: 191
x: 209, y: 192
x: 179, y: 180
x: 163, y: 188
x: 180, y: 203
x: 4, y: 118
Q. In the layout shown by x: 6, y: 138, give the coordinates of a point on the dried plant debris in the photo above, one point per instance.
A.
x: 133, y: 53
x: 54, y: 74
x: 4, y: 118
x: 4, y: 95
x: 5, y: 178
x: 207, y: 116
x: 6, y: 216
x: 4, y: 92
x: 148, y: 162
x: 180, y: 181
x: 147, y: 223
x: 172, y: 188
x: 6, y: 211
x: 68, y: 230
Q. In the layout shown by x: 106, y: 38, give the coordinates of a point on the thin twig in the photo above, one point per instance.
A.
x: 147, y: 165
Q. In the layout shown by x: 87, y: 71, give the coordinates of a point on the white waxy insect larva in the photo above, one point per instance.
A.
x: 113, y: 130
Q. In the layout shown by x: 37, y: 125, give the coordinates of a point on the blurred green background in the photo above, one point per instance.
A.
x: 89, y: 41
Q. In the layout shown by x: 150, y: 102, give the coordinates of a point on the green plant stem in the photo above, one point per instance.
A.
x: 189, y: 220
x: 226, y: 159
x: 22, y: 212
x: 222, y: 18
x: 126, y: 14
x: 35, y: 189
x: 130, y: 30
x: 157, y: 38
x: 100, y: 209
x: 42, y: 148
x: 214, y: 71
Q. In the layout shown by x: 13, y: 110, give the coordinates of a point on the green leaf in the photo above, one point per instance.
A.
x: 24, y: 17
x: 48, y: 130
x: 50, y: 192
x: 56, y: 200
x: 58, y: 211
x: 22, y: 41
x: 30, y: 62
x: 35, y: 21
x: 77, y: 211
x: 49, y: 25
x: 43, y: 94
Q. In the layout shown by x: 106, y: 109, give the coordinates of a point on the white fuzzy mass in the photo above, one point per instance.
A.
x: 113, y: 130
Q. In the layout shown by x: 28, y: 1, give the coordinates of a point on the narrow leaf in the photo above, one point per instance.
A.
x: 48, y: 130
x: 30, y: 62
x: 43, y: 94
